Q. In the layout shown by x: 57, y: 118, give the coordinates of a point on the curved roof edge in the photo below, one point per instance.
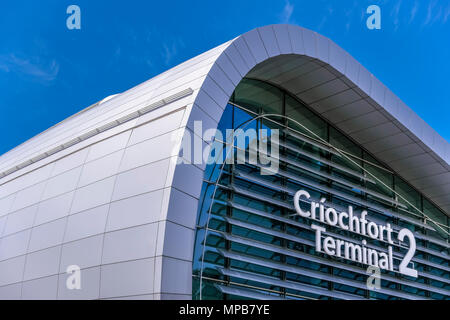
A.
x: 214, y: 74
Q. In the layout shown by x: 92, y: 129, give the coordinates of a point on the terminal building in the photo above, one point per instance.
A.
x: 114, y: 191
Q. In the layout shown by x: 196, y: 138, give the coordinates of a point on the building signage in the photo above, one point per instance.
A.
x: 357, y: 252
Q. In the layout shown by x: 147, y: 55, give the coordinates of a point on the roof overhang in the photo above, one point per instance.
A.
x: 371, y: 115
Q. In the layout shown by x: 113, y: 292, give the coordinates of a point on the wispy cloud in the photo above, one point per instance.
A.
x: 447, y: 14
x: 348, y: 13
x: 4, y: 67
x: 437, y: 12
x: 33, y: 67
x: 429, y: 16
x: 437, y: 17
x: 329, y: 12
x: 115, y: 57
x: 149, y: 63
x: 286, y: 14
x: 414, y: 10
x: 362, y: 15
x: 117, y: 52
x: 170, y: 50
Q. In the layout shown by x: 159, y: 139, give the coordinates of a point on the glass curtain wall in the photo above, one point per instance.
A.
x: 249, y: 241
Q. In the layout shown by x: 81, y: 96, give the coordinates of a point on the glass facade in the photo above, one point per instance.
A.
x: 251, y: 244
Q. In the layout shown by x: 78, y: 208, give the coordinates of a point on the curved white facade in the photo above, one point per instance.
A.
x: 102, y: 189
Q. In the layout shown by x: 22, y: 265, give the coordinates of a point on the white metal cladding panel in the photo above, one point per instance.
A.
x: 47, y: 235
x: 269, y: 40
x: 136, y: 210
x: 54, y: 208
x: 101, y: 168
x: 174, y: 207
x: 86, y: 223
x: 146, y: 93
x: 118, y: 244
x: 175, y: 276
x: 113, y: 144
x: 20, y: 220
x: 282, y: 38
x: 236, y: 59
x: 62, y: 183
x: 42, y: 288
x: 144, y: 179
x: 11, y: 292
x: 99, y: 208
x: 14, y: 245
x: 127, y: 278
x: 85, y: 253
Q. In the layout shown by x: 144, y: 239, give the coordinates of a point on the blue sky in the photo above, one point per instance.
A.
x: 48, y: 72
